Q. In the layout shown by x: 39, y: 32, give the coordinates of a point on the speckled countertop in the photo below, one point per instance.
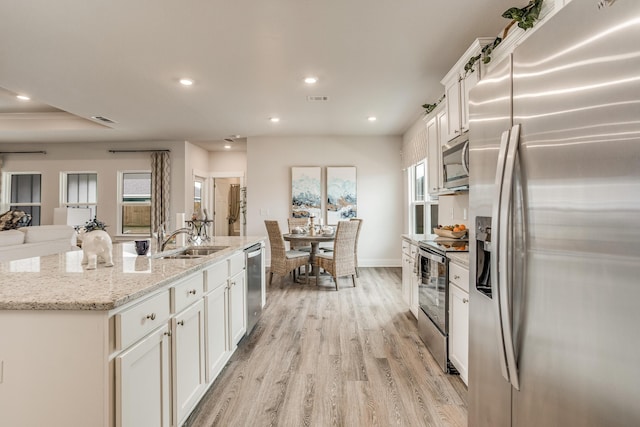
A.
x: 415, y: 238
x: 61, y: 282
x: 461, y: 258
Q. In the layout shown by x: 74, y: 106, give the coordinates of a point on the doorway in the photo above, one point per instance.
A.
x: 226, y: 206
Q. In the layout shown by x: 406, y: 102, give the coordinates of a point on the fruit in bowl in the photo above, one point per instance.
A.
x: 456, y: 231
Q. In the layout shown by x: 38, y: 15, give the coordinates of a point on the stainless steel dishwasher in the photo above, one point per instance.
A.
x: 255, y: 274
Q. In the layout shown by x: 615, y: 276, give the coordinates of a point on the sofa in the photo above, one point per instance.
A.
x: 39, y: 240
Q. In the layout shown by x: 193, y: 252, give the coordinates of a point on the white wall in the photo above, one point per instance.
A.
x: 454, y: 209
x: 377, y: 159
x: 228, y: 161
x: 93, y: 157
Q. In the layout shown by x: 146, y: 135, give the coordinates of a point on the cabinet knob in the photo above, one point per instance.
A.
x: 465, y: 300
x: 233, y: 283
x: 181, y: 323
x: 168, y: 333
x: 456, y: 131
x: 455, y: 276
x: 151, y: 316
x: 192, y: 292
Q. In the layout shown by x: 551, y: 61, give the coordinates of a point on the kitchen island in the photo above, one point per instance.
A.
x: 134, y: 344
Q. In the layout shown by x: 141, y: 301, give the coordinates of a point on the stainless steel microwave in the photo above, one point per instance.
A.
x: 455, y: 163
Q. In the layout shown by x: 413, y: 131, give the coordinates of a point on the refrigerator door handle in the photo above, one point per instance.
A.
x: 496, y: 220
x: 465, y: 162
x: 505, y: 261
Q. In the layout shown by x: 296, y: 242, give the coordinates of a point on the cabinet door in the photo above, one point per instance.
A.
x: 459, y: 330
x: 217, y: 330
x: 238, y: 307
x: 452, y: 92
x: 466, y: 84
x: 142, y: 382
x: 434, y: 156
x: 188, y: 360
x: 413, y: 289
x: 407, y: 271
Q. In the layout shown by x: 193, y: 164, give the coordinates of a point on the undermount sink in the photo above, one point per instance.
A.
x: 191, y: 252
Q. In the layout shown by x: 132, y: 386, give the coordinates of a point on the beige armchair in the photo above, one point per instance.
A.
x: 282, y: 260
x: 342, y: 261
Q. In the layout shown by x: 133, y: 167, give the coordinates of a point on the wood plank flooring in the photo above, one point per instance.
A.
x: 318, y: 357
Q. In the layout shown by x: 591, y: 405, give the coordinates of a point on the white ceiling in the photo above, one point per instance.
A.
x: 123, y: 59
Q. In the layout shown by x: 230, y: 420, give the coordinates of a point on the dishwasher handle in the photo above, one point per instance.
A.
x: 253, y: 251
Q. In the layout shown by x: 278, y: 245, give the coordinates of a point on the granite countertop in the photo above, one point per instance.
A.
x: 461, y: 258
x: 61, y: 282
x: 415, y: 238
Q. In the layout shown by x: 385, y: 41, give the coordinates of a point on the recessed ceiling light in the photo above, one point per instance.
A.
x: 372, y: 118
x: 310, y: 80
x: 186, y: 82
x: 274, y: 119
x: 23, y: 97
x: 227, y: 146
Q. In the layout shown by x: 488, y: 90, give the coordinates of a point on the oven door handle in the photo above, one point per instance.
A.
x: 432, y: 256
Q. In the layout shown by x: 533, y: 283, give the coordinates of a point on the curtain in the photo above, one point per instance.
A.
x: 160, y: 189
x: 234, y: 206
x: 415, y: 149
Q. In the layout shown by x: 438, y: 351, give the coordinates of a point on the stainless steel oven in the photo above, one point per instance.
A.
x: 455, y: 163
x: 433, y: 297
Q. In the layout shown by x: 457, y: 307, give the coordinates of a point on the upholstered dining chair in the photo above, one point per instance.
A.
x: 282, y: 260
x: 342, y: 261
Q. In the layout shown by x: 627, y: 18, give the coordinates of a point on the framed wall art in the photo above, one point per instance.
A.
x: 341, y: 194
x: 306, y: 188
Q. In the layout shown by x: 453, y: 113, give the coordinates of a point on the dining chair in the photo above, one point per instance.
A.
x: 342, y: 261
x: 298, y: 222
x: 355, y: 247
x: 282, y: 260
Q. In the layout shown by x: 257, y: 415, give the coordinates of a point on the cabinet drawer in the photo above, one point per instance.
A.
x: 236, y: 263
x: 459, y: 275
x: 186, y: 292
x: 137, y: 321
x: 413, y: 250
x: 217, y: 276
x: 406, y: 247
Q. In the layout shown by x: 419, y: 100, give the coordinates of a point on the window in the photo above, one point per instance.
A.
x: 134, y: 195
x: 24, y: 194
x: 417, y: 185
x: 80, y: 190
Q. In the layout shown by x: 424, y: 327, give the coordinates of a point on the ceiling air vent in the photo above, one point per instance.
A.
x: 102, y: 119
x: 317, y: 98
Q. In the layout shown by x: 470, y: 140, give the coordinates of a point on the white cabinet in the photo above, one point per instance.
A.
x: 409, y: 276
x: 238, y: 307
x: 216, y: 303
x: 434, y: 155
x: 457, y: 84
x: 452, y: 101
x: 142, y: 382
x: 188, y: 377
x: 459, y: 319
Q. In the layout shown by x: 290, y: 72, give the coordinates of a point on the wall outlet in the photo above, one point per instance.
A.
x: 464, y: 214
x: 452, y: 212
x: 1, y: 371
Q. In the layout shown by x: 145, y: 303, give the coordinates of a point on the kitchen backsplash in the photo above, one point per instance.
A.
x: 454, y: 209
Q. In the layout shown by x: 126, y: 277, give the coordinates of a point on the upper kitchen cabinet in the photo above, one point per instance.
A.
x: 457, y: 84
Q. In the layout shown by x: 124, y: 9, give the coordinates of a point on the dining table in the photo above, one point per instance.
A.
x: 314, y: 241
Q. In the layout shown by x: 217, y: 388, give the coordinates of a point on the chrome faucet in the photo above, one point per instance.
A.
x: 174, y: 234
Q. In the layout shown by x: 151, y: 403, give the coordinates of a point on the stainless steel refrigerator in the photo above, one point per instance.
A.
x: 555, y: 250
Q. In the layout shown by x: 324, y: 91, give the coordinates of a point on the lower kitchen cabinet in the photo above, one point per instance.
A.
x: 238, y: 307
x: 459, y: 319
x: 142, y: 382
x: 188, y: 360
x: 217, y: 330
x: 410, y: 277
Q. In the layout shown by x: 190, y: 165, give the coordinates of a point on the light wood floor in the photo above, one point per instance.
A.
x: 318, y: 357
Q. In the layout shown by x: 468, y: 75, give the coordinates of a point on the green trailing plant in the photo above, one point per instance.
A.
x: 93, y: 225
x: 430, y: 107
x: 485, y: 54
x: 525, y: 16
